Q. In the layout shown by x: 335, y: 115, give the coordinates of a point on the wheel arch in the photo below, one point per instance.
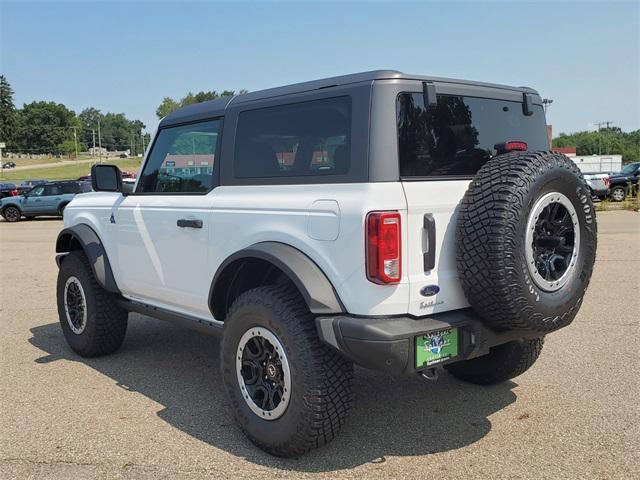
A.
x: 83, y: 238
x: 269, y: 262
x: 15, y: 205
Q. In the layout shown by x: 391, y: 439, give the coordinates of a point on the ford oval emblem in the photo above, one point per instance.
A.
x: 429, y: 290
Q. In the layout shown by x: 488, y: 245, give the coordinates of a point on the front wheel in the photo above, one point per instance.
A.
x: 618, y: 194
x: 502, y: 363
x: 289, y: 392
x: 11, y: 214
x: 92, y: 322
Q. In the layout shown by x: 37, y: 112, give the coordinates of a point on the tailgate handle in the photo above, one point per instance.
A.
x: 429, y: 257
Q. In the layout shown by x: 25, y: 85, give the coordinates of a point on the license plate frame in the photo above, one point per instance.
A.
x: 436, y: 347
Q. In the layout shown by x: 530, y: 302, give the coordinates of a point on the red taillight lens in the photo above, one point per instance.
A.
x: 384, y: 250
x: 14, y: 192
x: 510, y: 146
x: 607, y: 182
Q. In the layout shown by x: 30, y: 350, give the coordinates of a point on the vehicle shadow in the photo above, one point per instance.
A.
x: 392, y: 415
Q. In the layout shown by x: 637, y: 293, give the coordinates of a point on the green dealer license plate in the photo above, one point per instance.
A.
x: 436, y: 347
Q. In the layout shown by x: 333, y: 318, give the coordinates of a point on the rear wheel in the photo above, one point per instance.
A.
x: 61, y: 209
x: 289, y: 392
x: 502, y: 363
x: 11, y: 214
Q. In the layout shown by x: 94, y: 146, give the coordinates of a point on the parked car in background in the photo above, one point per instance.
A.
x: 48, y: 199
x: 598, y: 184
x: 620, y: 182
x: 8, y: 190
x: 9, y: 165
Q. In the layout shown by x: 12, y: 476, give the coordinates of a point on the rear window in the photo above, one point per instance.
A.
x: 456, y: 137
x: 301, y: 139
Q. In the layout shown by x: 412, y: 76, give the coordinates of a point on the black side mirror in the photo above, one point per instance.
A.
x: 106, y: 178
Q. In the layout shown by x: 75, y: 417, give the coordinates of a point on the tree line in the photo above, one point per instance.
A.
x: 605, y: 141
x: 42, y: 127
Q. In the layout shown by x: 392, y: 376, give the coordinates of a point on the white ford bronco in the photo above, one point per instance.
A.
x: 403, y: 223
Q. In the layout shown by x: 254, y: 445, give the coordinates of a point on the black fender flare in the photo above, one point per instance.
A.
x: 309, y: 279
x: 92, y: 246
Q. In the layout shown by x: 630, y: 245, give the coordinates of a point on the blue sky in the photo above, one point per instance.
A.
x: 127, y: 56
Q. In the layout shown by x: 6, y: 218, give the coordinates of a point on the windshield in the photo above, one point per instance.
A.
x: 629, y: 168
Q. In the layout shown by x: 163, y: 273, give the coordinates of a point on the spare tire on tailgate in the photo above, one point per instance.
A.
x: 526, y: 241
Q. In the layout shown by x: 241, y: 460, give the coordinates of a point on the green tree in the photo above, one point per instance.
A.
x: 7, y: 113
x: 43, y: 126
x: 169, y: 104
x: 89, y: 119
x: 605, y: 141
x: 68, y: 148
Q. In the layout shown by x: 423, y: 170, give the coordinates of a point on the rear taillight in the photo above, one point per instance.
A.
x: 510, y: 146
x: 607, y: 182
x: 14, y: 192
x: 384, y: 250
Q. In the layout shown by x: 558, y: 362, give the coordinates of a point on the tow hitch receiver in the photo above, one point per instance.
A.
x: 431, y: 374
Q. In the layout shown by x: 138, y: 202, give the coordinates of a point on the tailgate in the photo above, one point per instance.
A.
x: 431, y: 255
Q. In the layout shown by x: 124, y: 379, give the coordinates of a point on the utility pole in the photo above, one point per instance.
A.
x: 607, y: 124
x: 546, y: 102
x: 75, y: 139
x: 599, y: 125
x: 99, y: 142
x: 93, y: 152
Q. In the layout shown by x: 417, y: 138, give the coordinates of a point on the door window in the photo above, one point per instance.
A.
x: 182, y: 159
x: 36, y: 192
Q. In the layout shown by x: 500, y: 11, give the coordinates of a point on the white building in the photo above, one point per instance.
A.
x: 598, y: 163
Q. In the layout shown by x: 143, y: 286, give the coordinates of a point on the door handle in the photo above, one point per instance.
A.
x: 429, y: 257
x: 186, y: 223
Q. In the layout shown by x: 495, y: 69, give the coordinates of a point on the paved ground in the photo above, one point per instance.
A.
x: 156, y: 410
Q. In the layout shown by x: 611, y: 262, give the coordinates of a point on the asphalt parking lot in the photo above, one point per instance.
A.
x: 156, y: 409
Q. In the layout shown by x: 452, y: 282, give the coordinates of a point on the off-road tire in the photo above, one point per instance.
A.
x: 11, y: 214
x: 106, y: 324
x: 321, y: 380
x: 502, y: 363
x: 492, y: 223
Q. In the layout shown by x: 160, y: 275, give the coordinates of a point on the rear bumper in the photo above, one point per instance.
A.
x: 389, y: 345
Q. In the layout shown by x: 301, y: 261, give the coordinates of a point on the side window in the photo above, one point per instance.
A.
x: 52, y: 190
x: 37, y: 191
x: 70, y: 188
x: 457, y: 137
x: 182, y: 159
x: 301, y: 139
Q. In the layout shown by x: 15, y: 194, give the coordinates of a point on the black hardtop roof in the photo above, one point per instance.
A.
x: 218, y: 106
